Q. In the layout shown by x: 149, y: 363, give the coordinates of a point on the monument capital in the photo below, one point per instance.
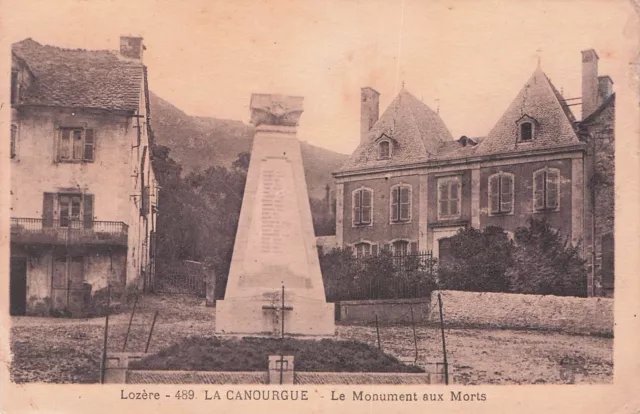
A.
x: 273, y: 109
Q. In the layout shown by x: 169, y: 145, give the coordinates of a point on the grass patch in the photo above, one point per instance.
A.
x: 251, y: 354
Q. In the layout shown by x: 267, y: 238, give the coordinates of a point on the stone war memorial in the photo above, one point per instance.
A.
x: 275, y: 281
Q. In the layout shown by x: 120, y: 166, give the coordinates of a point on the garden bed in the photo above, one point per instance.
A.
x: 251, y: 354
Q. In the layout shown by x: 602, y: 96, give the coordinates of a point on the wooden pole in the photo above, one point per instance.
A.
x: 415, y: 338
x: 378, y: 331
x: 282, y: 339
x: 126, y: 337
x: 103, y: 364
x: 444, y: 345
x: 146, y: 348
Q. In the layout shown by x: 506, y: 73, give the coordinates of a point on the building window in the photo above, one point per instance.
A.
x: 14, y: 137
x: 384, y: 150
x: 362, y: 207
x: 546, y: 189
x: 76, y: 144
x: 526, y: 131
x: 363, y: 249
x: 449, y: 197
x: 73, y: 210
x: 501, y: 193
x: 400, y: 199
x: 400, y: 247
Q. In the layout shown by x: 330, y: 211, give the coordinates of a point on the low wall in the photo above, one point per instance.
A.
x: 517, y: 311
x: 388, y: 310
x: 484, y: 309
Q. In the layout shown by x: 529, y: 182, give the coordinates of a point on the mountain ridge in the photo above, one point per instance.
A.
x: 199, y: 142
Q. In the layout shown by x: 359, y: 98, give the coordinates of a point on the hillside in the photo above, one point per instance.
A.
x: 200, y: 142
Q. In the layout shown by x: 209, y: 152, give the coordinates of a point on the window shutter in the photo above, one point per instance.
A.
x: 538, y: 190
x: 144, y: 210
x: 64, y: 144
x: 494, y: 194
x: 506, y: 190
x: 394, y: 204
x: 366, y: 206
x: 357, y: 216
x: 386, y: 247
x: 405, y: 203
x: 47, y: 210
x: 88, y: 211
x: 374, y: 249
x: 78, y: 145
x: 454, y: 197
x: 552, y: 189
x: 414, y: 247
x: 89, y: 144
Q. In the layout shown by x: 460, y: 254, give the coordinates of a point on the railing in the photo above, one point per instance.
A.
x: 384, y: 276
x: 37, y: 230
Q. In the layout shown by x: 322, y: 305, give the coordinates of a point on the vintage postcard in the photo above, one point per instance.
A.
x: 320, y: 206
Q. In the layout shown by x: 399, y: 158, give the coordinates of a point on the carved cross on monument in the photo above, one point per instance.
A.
x: 280, y: 308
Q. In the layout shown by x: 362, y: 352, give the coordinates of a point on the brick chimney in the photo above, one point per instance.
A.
x: 369, y: 111
x: 131, y: 47
x: 590, y: 84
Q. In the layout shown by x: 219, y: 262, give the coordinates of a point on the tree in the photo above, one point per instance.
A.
x: 478, y: 261
x: 545, y: 263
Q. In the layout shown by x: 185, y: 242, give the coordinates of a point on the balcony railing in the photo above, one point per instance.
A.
x: 39, y: 231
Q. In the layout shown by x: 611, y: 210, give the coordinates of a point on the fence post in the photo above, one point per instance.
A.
x: 133, y: 311
x: 444, y: 345
x: 146, y: 348
x: 415, y: 338
x: 103, y: 363
x: 378, y: 332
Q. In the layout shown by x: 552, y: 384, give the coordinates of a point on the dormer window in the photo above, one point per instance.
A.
x: 385, y: 145
x: 526, y: 129
x: 384, y: 150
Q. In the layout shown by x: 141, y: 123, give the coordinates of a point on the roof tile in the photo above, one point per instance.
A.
x: 80, y: 78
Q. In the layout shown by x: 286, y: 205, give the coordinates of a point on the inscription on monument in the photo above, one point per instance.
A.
x: 273, y: 189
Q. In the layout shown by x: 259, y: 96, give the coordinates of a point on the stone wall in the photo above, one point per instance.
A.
x: 517, y: 311
x: 492, y: 310
x: 396, y: 311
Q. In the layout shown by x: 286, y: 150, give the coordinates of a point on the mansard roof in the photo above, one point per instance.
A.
x: 538, y: 100
x: 100, y: 79
x: 417, y: 131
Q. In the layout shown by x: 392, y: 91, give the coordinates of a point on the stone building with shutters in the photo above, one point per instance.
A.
x: 83, y: 189
x: 409, y: 185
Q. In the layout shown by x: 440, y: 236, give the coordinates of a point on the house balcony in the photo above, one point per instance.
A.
x: 68, y: 232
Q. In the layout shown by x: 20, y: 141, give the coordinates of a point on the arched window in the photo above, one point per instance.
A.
x: 501, y: 194
x: 362, y: 206
x: 400, y: 248
x: 546, y: 189
x: 363, y: 249
x: 400, y: 203
x: 384, y: 150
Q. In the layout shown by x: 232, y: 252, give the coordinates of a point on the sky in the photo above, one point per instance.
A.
x: 466, y: 59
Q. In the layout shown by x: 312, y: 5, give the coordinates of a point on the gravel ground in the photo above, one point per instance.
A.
x: 69, y: 350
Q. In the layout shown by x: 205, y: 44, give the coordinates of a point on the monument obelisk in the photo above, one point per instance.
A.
x: 275, y: 243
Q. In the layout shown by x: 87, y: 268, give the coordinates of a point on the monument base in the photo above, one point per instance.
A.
x: 252, y: 316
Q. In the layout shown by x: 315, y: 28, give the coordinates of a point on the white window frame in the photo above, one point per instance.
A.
x: 533, y: 131
x: 353, y: 207
x: 354, y: 247
x: 535, y: 189
x: 489, y: 193
x: 393, y: 247
x: 71, y: 158
x: 448, y: 179
x: 390, y: 153
x: 392, y: 220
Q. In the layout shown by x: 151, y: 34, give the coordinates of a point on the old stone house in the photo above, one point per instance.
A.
x: 409, y: 185
x: 83, y: 189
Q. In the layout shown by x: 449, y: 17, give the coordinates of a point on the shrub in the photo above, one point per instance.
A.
x: 478, y: 261
x: 545, y: 263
